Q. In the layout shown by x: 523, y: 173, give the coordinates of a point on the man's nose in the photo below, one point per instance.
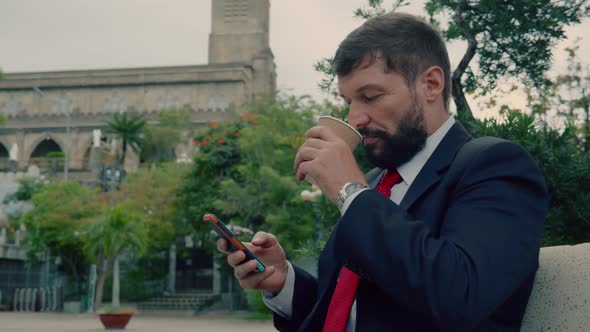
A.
x: 357, y: 117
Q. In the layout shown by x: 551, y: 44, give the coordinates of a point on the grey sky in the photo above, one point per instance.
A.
x: 43, y: 35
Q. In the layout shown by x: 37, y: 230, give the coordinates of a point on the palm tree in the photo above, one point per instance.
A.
x: 129, y: 129
x: 107, y: 239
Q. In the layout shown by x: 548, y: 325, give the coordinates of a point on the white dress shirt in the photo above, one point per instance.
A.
x: 282, y: 303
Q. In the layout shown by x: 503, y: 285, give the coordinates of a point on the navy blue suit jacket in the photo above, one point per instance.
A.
x: 459, y: 253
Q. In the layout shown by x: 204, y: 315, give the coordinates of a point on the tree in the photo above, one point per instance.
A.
x: 511, y: 39
x: 151, y: 194
x: 55, y: 223
x: 507, y: 38
x: 572, y: 91
x: 161, y: 140
x: 27, y: 188
x: 129, y: 130
x: 244, y: 173
x: 107, y: 239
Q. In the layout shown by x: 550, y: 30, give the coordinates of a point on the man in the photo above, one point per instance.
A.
x: 443, y: 236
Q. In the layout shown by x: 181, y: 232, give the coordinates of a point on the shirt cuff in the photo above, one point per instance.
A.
x: 349, y: 200
x: 282, y: 303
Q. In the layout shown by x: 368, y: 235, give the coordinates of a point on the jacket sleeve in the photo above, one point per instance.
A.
x: 487, y: 247
x: 304, y: 298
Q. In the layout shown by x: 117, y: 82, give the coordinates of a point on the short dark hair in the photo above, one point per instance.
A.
x: 408, y: 44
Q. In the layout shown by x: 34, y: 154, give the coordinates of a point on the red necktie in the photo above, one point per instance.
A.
x: 348, y: 281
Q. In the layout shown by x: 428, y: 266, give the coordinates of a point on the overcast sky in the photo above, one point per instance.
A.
x: 43, y: 35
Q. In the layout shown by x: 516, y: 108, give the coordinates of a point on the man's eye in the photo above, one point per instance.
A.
x: 368, y: 99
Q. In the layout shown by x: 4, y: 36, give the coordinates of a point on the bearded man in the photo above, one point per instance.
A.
x: 443, y: 235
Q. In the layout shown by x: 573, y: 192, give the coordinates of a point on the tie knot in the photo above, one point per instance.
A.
x: 390, y: 179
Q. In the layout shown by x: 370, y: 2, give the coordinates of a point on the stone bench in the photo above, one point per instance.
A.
x: 560, y: 300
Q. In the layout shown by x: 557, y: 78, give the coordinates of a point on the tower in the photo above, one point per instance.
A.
x: 239, y: 30
x: 240, y: 34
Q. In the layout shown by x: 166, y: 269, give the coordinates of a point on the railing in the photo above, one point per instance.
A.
x: 12, y: 251
x: 37, y: 299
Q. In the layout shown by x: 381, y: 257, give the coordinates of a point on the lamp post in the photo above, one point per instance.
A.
x: 66, y: 108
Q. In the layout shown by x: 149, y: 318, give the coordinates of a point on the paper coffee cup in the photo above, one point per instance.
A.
x: 343, y: 130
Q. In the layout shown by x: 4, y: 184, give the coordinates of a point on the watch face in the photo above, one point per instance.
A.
x: 348, y: 189
x: 352, y: 188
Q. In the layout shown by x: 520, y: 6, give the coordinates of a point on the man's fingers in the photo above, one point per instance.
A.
x: 303, y: 169
x: 242, y: 270
x: 321, y: 132
x: 235, y: 258
x: 264, y: 240
x: 305, y: 154
x: 223, y: 246
x: 253, y: 280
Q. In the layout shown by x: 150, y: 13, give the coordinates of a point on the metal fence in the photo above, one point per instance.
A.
x: 30, y: 289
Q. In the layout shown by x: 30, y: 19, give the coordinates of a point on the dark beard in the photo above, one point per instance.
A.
x: 399, y: 148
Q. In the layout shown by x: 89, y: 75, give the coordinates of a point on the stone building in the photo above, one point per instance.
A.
x: 58, y: 111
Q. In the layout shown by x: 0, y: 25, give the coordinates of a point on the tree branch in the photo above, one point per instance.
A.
x: 457, y: 86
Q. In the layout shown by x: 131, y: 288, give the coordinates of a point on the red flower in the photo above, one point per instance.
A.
x: 253, y: 121
x: 248, y: 115
x: 197, y: 143
x: 213, y: 124
x: 204, y: 143
x: 220, y: 141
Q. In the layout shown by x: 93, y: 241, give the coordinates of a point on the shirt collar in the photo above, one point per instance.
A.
x: 410, y: 170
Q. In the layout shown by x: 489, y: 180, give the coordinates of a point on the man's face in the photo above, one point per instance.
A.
x: 386, y: 112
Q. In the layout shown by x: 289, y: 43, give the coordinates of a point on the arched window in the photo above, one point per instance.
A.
x: 45, y: 147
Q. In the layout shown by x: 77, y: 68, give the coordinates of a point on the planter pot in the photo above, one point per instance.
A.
x: 115, y: 321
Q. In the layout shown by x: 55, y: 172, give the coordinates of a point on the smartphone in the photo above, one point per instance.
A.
x: 229, y: 236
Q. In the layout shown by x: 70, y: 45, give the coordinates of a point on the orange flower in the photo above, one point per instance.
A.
x: 253, y: 121
x: 213, y: 124
x: 220, y: 141
x: 248, y: 115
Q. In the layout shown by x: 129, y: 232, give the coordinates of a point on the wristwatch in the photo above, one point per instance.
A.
x: 348, y: 190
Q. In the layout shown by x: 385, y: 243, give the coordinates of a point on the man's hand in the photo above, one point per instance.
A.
x: 327, y: 159
x: 266, y: 248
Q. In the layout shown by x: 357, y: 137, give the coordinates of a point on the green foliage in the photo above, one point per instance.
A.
x: 116, y: 231
x: 138, y: 282
x: 160, y: 140
x: 151, y: 194
x: 247, y: 178
x: 55, y: 155
x: 128, y: 129
x: 60, y: 212
x: 565, y: 166
x: 257, y: 305
x: 26, y: 189
x: 54, y: 226
x: 514, y: 38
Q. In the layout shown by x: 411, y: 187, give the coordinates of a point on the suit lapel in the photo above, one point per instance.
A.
x: 374, y: 176
x: 441, y: 159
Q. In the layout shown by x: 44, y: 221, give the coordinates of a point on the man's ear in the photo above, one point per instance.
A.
x: 433, y: 83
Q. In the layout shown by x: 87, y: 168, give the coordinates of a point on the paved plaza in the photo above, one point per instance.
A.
x: 57, y: 322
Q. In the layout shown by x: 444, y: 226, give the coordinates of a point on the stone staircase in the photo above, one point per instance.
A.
x: 186, y: 301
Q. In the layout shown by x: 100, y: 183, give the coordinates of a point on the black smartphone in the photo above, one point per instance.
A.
x: 229, y: 236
